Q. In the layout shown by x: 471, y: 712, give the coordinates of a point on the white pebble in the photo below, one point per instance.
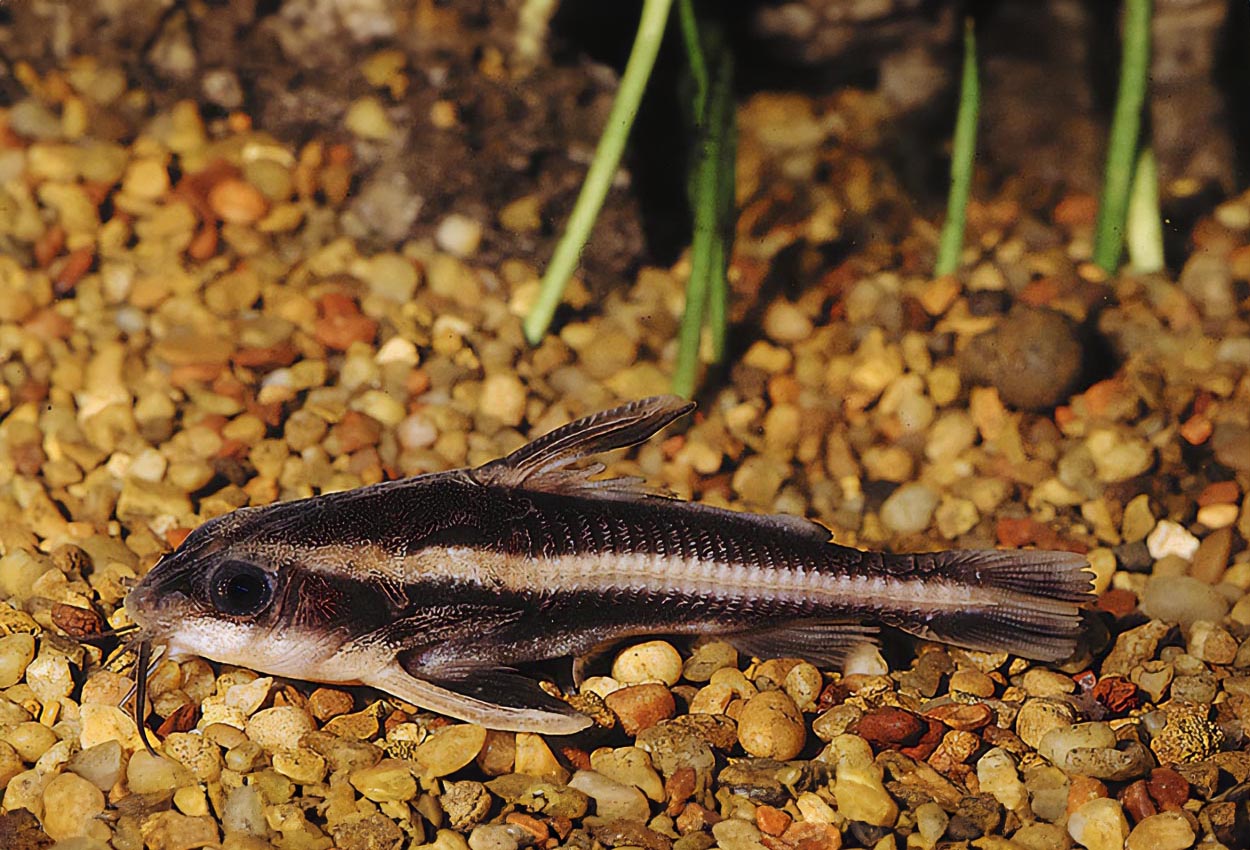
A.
x: 1170, y: 538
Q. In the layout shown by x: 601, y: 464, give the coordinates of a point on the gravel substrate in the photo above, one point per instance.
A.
x: 188, y: 327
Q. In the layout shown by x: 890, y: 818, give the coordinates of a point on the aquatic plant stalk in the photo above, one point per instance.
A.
x: 602, y: 168
x: 711, y: 190
x: 963, y: 154
x: 1122, y: 145
x: 1144, y: 228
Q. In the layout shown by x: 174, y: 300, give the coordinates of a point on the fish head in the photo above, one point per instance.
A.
x: 225, y: 594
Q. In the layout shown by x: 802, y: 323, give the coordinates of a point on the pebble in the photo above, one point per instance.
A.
x: 279, y: 728
x: 1211, y: 643
x: 458, y: 235
x: 653, y: 661
x: 1165, y: 831
x: 146, y: 773
x: 388, y: 780
x: 1032, y: 357
x: 613, y: 799
x: 489, y: 836
x: 1171, y: 538
x: 71, y: 806
x: 534, y: 758
x: 771, y: 726
x: 1183, y: 600
x: 890, y: 727
x: 909, y: 509
x: 450, y: 748
x: 1099, y: 824
x: 707, y: 659
x: 237, y: 202
x: 629, y: 766
x: 16, y: 653
x: 997, y: 774
x: 503, y: 397
x: 539, y: 797
x: 466, y: 804
x: 640, y: 707
x: 857, y: 786
x: 1038, y: 717
x: 100, y: 765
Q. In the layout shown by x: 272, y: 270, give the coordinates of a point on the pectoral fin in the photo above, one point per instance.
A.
x: 496, y: 698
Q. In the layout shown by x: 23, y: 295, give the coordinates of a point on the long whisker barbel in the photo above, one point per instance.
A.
x: 145, y: 665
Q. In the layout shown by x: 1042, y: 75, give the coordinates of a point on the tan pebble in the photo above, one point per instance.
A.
x: 534, y: 758
x: 1099, y: 824
x: 100, y: 765
x: 1039, y: 716
x: 1211, y: 643
x: 361, y: 725
x: 367, y: 119
x: 146, y: 179
x: 279, y: 728
x: 301, y: 765
x: 771, y: 726
x: 16, y: 653
x: 498, y: 753
x: 459, y: 235
x: 191, y: 801
x: 653, y: 661
x: 11, y: 763
x: 175, y: 831
x: 1164, y: 831
x: 972, y: 682
x: 1218, y: 516
x: 803, y: 684
x: 201, y: 757
x: 784, y: 322
x: 503, y: 397
x: 707, y: 659
x: 712, y: 699
x: 30, y: 739
x: 450, y: 748
x: 25, y: 791
x: 146, y: 773
x: 388, y: 780
x: 71, y: 805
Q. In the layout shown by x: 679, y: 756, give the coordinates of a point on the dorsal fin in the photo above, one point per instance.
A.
x: 543, y: 463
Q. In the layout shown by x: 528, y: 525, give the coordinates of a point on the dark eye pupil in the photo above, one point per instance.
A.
x: 240, y: 588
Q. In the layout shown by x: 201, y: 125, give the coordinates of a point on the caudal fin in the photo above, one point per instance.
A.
x: 1022, y: 602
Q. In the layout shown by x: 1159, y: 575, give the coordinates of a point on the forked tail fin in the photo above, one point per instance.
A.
x: 1023, y: 602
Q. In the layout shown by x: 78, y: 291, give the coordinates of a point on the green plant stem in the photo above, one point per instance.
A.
x: 602, y: 168
x: 1125, y: 126
x: 963, y: 153
x: 711, y: 191
x: 1144, y: 227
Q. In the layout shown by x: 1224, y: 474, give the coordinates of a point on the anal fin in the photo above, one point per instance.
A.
x: 822, y: 641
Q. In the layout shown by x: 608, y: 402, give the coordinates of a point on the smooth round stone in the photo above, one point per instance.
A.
x: 1183, y: 599
x: 496, y: 836
x: 388, y: 780
x: 16, y: 653
x: 653, y: 661
x: 770, y: 726
x: 612, y: 799
x: 1164, y: 831
x: 450, y: 748
x: 71, y: 805
x: 909, y: 509
x: 707, y: 659
x: 1037, y: 717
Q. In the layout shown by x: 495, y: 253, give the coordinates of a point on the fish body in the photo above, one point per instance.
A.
x: 434, y: 588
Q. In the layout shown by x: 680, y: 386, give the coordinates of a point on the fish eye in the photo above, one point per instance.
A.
x: 240, y: 589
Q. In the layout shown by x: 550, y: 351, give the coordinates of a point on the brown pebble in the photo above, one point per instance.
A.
x: 695, y: 818
x: 891, y: 728
x: 928, y: 742
x: 812, y: 836
x: 640, y: 707
x: 341, y: 323
x: 1168, y: 788
x: 1118, y: 694
x: 71, y: 270
x: 77, y: 622
x: 577, y: 758
x: 356, y: 431
x: 530, y: 824
x: 236, y: 201
x: 1137, y: 802
x: 772, y: 821
x: 183, y: 719
x: 678, y: 788
x: 1117, y: 602
x: 329, y: 702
